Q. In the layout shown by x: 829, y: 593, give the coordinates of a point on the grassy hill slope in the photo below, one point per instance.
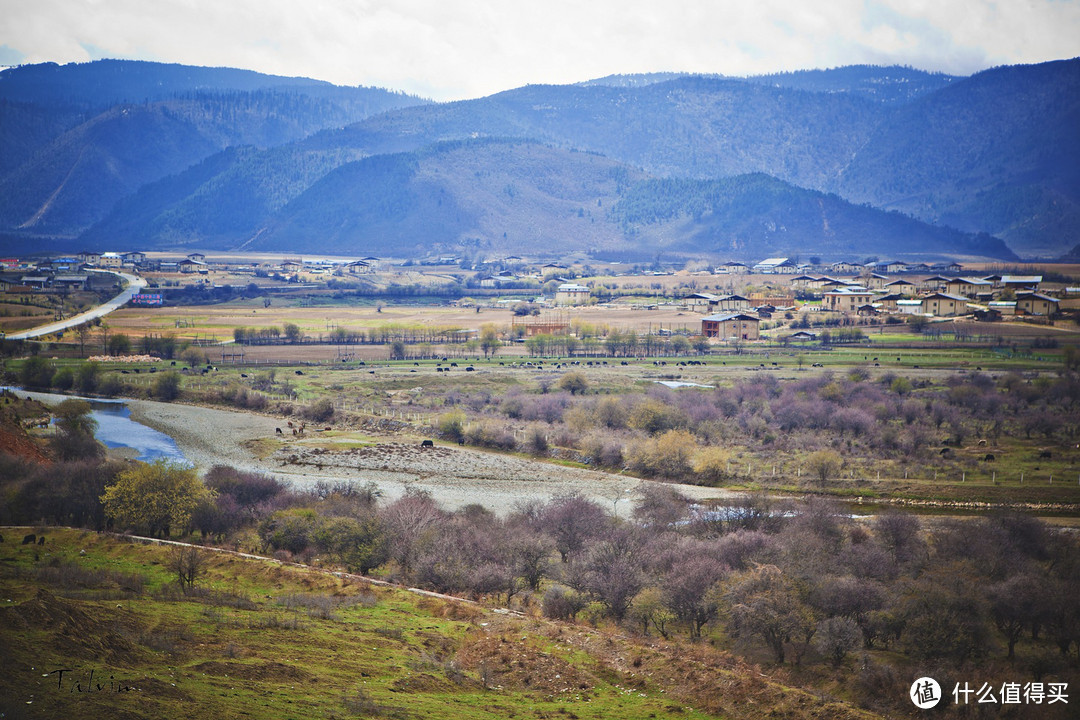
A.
x: 256, y: 638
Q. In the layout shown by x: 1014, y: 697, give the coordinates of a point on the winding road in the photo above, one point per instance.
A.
x: 134, y: 285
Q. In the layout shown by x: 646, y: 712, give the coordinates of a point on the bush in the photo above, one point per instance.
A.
x: 167, y: 386
x: 490, y: 435
x: 574, y: 383
x: 667, y: 455
x: 562, y: 603
x: 711, y: 465
x: 319, y: 411
x: 536, y: 442
x: 452, y: 425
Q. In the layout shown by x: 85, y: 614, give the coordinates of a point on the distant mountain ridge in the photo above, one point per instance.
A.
x: 75, y: 139
x: 491, y: 196
x: 987, y: 158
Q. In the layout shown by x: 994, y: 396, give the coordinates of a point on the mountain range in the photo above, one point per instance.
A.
x: 846, y: 162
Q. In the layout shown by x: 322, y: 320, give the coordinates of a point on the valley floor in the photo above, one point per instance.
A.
x: 454, y: 476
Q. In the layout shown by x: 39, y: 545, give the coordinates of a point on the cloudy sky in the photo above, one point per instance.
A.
x: 453, y: 49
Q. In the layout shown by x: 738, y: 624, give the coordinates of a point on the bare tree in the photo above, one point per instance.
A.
x: 188, y: 563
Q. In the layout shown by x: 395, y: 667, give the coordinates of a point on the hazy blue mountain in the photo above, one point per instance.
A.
x: 491, y: 196
x: 995, y: 154
x: 892, y: 85
x: 77, y: 138
x: 691, y: 126
x: 998, y: 152
x: 885, y: 84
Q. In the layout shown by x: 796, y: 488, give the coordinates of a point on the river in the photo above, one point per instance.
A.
x: 116, y: 429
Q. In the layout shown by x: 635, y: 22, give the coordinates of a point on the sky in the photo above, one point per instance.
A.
x: 458, y: 49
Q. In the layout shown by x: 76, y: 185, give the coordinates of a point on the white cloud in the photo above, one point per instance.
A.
x: 465, y: 48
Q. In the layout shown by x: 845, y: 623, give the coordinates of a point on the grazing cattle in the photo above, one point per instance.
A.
x: 41, y: 540
x: 982, y: 443
x: 461, y: 441
x: 279, y: 431
x: 29, y: 539
x: 294, y: 431
x: 1, y: 538
x: 988, y: 458
x: 945, y: 451
x: 427, y: 443
x: 289, y: 423
x: 1045, y: 455
x: 243, y: 375
x: 299, y: 372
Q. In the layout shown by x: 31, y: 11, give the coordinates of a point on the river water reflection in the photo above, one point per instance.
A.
x: 116, y: 429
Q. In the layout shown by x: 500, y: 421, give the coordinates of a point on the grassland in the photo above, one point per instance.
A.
x: 256, y: 638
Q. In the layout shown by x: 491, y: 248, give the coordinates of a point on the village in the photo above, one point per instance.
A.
x: 777, y: 299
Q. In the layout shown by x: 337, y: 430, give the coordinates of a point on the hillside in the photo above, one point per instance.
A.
x: 262, y: 639
x: 995, y: 154
x: 78, y: 138
x: 486, y: 196
x: 887, y: 85
x: 998, y: 152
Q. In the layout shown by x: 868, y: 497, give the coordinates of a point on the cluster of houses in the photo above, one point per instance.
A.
x: 787, y: 266
x: 987, y: 298
x: 70, y: 271
x: 873, y: 293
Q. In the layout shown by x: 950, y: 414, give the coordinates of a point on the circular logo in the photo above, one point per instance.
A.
x: 925, y: 693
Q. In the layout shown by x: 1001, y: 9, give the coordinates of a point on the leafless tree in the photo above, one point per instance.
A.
x: 188, y: 563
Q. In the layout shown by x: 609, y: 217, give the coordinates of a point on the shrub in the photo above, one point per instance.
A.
x: 711, y: 465
x: 574, y: 383
x: 667, y: 455
x: 562, y: 603
x: 452, y: 425
x: 319, y: 411
x: 167, y: 386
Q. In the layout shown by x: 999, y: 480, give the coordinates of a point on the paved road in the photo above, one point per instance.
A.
x: 135, y: 284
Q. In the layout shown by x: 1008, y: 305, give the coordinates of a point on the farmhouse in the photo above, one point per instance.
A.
x: 935, y: 283
x: 904, y: 287
x: 944, y: 305
x: 730, y: 326
x: 732, y: 303
x: 701, y: 302
x: 571, y: 294
x: 876, y: 281
x: 111, y: 260
x: 846, y: 300
x: 1021, y: 282
x: 359, y: 267
x: 1036, y: 304
x: 70, y: 282
x: 969, y: 287
x: 776, y: 265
